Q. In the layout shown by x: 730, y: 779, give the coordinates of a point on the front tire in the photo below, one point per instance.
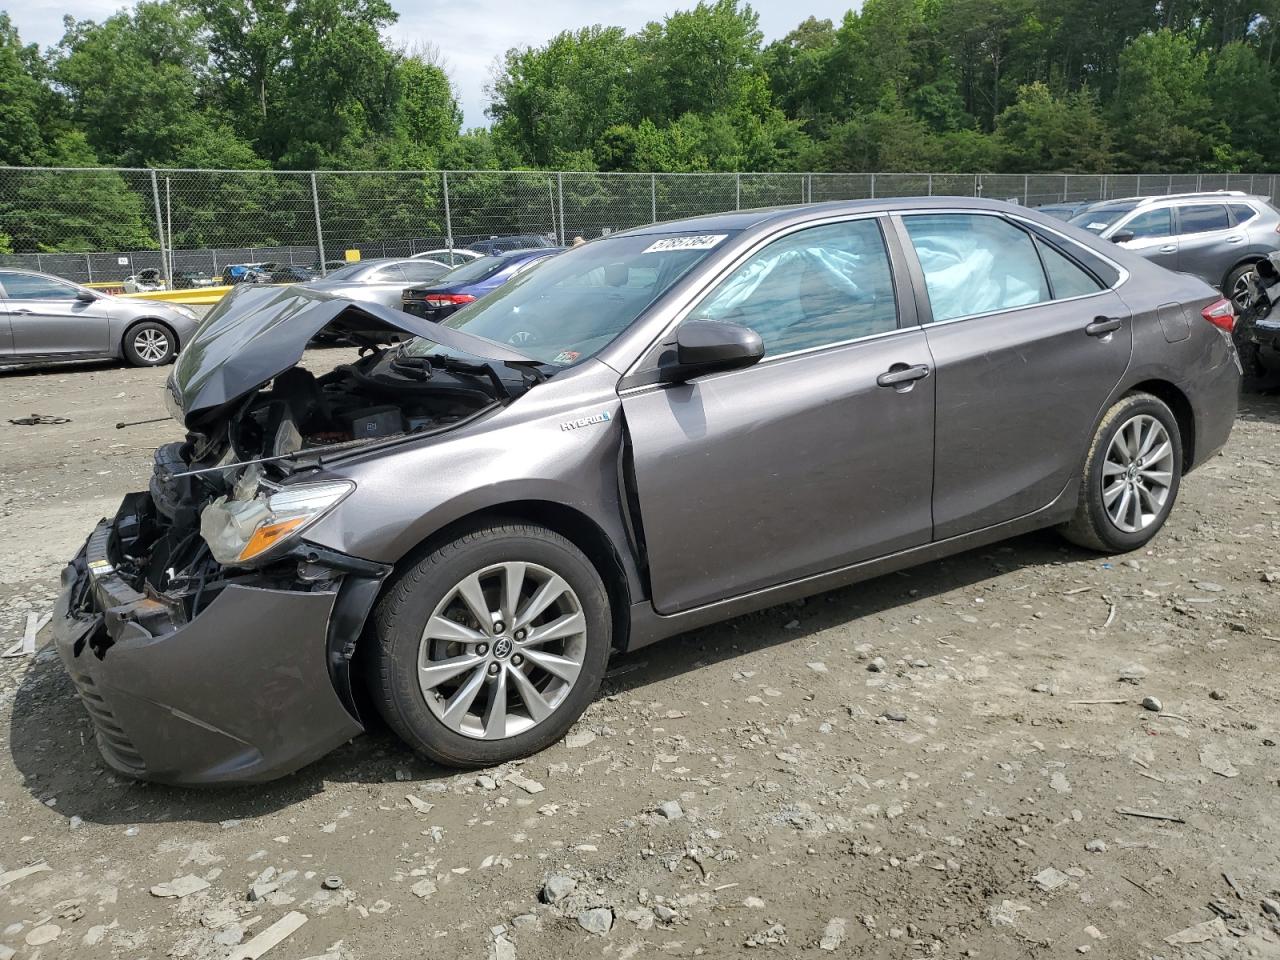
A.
x: 1131, y: 477
x: 490, y: 647
x: 149, y: 344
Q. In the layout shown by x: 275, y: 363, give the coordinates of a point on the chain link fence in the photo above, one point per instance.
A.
x: 101, y: 225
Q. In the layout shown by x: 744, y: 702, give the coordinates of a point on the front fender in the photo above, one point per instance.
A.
x: 559, y: 444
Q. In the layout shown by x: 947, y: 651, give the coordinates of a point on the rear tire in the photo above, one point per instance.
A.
x: 1233, y: 281
x: 466, y: 693
x: 1131, y: 477
x: 149, y: 344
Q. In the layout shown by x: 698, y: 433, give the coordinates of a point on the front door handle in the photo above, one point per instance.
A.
x: 1101, y: 326
x: 900, y: 374
x: 1235, y: 239
x: 22, y: 310
x: 1169, y: 248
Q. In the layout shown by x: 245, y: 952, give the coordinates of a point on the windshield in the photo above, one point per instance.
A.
x: 575, y: 303
x: 1098, y: 219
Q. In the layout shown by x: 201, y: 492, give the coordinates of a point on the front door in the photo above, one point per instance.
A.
x: 808, y: 461
x: 47, y: 319
x: 1153, y: 236
x: 1028, y: 345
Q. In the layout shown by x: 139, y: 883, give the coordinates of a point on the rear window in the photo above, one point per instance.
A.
x: 478, y: 269
x: 1242, y: 213
x: 1203, y: 218
x: 344, y: 273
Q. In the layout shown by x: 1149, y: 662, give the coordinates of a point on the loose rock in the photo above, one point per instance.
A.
x: 598, y: 920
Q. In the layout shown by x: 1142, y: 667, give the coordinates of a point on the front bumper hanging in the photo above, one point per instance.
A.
x: 242, y: 692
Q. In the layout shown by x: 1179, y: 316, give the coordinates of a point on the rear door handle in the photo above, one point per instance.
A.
x: 1101, y: 326
x: 1169, y: 248
x: 1235, y: 239
x: 22, y: 310
x: 900, y: 373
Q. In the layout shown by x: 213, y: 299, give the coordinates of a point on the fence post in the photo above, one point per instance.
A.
x: 88, y: 266
x: 930, y: 187
x: 164, y: 257
x: 1169, y: 186
x: 873, y: 186
x: 315, y: 206
x: 808, y: 179
x: 653, y: 197
x: 560, y: 196
x: 1026, y: 190
x: 168, y: 218
x: 448, y: 214
x: 1104, y: 187
x: 737, y: 190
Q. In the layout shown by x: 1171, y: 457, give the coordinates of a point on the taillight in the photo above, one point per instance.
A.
x: 447, y: 299
x: 1221, y: 314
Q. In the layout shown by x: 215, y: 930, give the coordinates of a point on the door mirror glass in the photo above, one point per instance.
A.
x: 708, y: 346
x: 1122, y: 236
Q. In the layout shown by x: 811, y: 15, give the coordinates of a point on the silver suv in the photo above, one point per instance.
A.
x: 1217, y: 237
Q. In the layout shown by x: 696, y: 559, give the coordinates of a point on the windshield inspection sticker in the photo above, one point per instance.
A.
x: 701, y: 242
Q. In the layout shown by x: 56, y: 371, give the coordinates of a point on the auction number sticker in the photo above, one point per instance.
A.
x: 700, y: 242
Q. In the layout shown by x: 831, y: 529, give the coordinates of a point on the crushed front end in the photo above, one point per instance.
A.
x: 223, y: 676
x: 209, y: 640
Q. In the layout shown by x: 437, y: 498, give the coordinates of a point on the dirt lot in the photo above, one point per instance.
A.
x: 917, y: 766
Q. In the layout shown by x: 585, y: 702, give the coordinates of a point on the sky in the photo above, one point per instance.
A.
x: 470, y: 35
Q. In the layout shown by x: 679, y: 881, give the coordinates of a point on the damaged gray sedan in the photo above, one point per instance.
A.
x: 650, y: 433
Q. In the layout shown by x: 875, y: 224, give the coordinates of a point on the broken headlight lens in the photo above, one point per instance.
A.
x: 247, y: 527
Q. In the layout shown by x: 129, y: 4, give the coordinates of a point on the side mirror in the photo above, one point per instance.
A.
x: 1122, y: 236
x: 709, y: 346
x: 86, y: 296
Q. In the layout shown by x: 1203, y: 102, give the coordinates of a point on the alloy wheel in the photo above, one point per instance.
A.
x: 502, y: 650
x: 151, y: 345
x: 1137, y: 474
x: 1240, y: 292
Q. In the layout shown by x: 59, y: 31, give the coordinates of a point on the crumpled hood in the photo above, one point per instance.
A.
x: 256, y: 333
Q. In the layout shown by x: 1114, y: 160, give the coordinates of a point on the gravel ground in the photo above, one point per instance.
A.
x: 930, y: 764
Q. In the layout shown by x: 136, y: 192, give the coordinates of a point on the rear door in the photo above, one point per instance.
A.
x: 804, y: 462
x: 46, y: 319
x: 1208, y: 245
x: 1027, y: 344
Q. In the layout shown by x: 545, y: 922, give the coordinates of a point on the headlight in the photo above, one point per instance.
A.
x: 246, y: 528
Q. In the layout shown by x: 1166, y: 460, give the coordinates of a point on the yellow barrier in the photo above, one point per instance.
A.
x: 196, y: 295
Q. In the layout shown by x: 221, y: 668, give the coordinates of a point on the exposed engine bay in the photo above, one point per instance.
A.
x: 217, y: 502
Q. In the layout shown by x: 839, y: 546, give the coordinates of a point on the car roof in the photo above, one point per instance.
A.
x: 39, y: 273
x: 763, y: 216
x: 525, y: 254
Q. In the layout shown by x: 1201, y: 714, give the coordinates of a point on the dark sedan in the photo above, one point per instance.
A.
x: 647, y: 434
x: 469, y: 282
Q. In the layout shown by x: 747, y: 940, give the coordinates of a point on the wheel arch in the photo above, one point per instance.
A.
x: 1183, y: 413
x: 1243, y: 261
x: 572, y: 524
x: 131, y: 325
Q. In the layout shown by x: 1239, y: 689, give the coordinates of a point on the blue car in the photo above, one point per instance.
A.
x: 469, y: 282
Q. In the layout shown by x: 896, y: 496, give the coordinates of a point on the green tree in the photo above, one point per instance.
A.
x: 133, y: 81
x: 22, y: 97
x: 1161, y: 105
x: 557, y: 99
x: 1041, y: 132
